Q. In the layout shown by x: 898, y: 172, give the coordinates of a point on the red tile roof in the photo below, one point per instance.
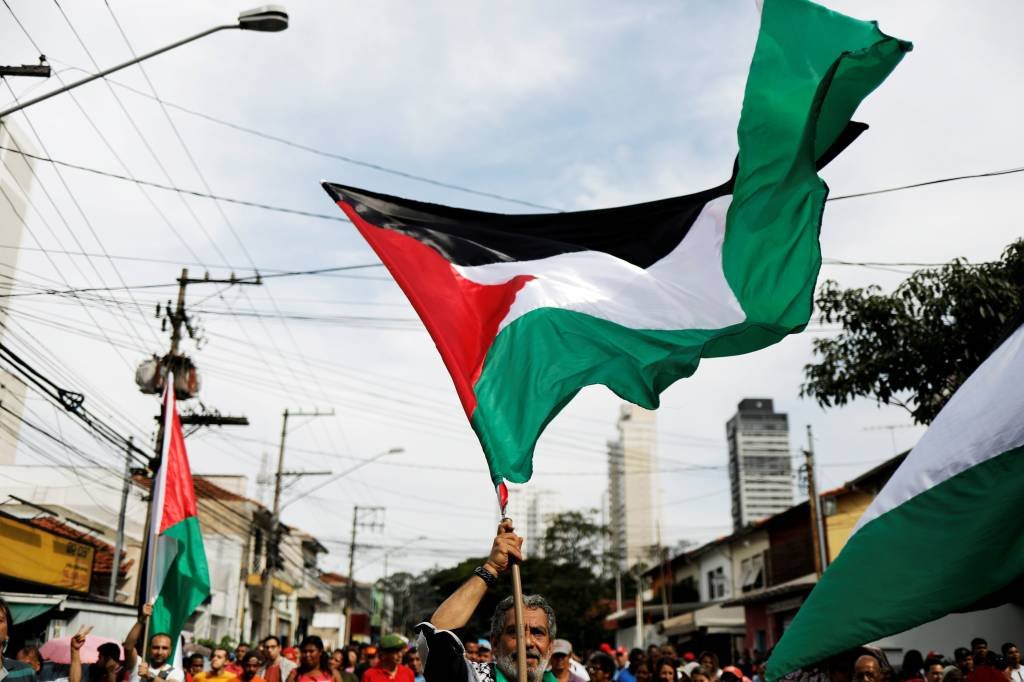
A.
x: 205, y: 490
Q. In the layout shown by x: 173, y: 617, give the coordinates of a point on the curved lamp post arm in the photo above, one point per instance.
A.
x: 106, y: 72
x: 266, y: 19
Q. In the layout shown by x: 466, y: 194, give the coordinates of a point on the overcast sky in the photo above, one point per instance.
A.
x: 568, y: 105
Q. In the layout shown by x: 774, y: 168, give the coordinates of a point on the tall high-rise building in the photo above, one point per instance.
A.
x: 531, y: 510
x: 760, y: 465
x: 632, y: 496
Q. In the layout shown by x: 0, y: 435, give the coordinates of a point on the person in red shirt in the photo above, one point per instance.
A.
x: 390, y: 668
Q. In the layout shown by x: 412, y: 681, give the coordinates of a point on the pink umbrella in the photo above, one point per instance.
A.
x: 59, y: 650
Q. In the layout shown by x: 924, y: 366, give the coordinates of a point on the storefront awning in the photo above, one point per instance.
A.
x: 770, y: 594
x: 713, y: 618
x: 25, y: 607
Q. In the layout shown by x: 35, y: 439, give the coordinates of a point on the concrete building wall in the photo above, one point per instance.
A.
x: 224, y: 555
x: 749, y: 554
x: 847, y: 508
x: 1001, y: 624
x: 716, y: 574
x: 90, y: 495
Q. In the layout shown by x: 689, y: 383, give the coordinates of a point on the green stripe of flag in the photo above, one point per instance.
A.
x: 940, y: 552
x: 187, y: 582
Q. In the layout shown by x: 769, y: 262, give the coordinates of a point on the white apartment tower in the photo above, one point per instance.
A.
x: 632, y: 497
x: 760, y: 466
x: 531, y: 511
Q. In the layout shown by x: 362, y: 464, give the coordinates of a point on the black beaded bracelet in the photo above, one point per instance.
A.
x: 486, y: 576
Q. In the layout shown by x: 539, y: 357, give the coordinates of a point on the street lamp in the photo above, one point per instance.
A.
x: 267, y: 19
x: 346, y: 472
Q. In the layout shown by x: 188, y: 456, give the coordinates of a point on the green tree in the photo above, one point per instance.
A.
x: 567, y: 576
x: 572, y: 537
x: 915, y: 346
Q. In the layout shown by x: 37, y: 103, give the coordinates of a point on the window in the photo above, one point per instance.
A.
x: 716, y: 584
x: 752, y: 569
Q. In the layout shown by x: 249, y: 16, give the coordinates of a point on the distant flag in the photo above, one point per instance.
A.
x: 179, y: 579
x: 946, y: 532
x: 528, y: 309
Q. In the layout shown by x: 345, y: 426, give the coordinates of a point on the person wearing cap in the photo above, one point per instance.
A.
x: 562, y: 663
x: 442, y: 651
x: 483, y: 650
x: 390, y: 667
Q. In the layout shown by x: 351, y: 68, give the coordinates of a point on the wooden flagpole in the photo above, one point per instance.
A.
x: 517, y: 592
x: 517, y: 596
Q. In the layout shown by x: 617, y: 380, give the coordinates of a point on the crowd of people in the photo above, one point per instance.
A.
x: 439, y: 655
x: 864, y: 664
x: 392, y: 659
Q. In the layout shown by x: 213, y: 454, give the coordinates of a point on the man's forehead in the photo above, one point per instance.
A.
x: 534, y: 616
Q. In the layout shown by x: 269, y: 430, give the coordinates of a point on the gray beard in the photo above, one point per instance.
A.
x: 506, y: 663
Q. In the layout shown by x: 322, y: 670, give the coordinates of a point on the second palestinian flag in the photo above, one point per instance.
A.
x: 179, y: 579
x: 528, y: 309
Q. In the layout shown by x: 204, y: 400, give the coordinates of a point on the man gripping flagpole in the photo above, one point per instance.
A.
x: 177, y: 577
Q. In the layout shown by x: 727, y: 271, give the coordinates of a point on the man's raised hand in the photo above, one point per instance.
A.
x: 78, y: 640
x: 506, y: 545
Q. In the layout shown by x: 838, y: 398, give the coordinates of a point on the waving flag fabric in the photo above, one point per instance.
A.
x: 180, y: 578
x: 943, y: 535
x: 527, y: 309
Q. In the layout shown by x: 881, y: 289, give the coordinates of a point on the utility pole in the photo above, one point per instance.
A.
x: 178, y: 318
x: 357, y: 523
x: 274, y: 532
x: 115, y: 572
x: 638, y: 638
x: 812, y: 502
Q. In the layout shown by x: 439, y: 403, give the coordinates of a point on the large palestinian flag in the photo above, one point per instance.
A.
x: 179, y: 578
x: 527, y: 309
x: 945, y: 534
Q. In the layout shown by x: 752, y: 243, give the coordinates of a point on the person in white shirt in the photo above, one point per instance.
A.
x: 1011, y: 652
x: 158, y: 665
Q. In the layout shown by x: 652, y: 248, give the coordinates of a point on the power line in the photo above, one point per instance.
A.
x: 206, y: 185
x: 342, y: 218
x: 253, y: 278
x: 72, y: 402
x: 330, y: 155
x: 60, y: 175
x: 926, y: 183
x: 172, y: 188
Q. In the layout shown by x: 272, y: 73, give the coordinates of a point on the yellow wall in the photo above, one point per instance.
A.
x: 849, y: 507
x: 39, y: 556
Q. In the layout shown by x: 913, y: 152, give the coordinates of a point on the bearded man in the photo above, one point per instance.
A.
x: 444, y: 658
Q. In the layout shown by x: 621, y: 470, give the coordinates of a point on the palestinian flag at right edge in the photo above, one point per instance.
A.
x: 528, y: 309
x: 945, y: 534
